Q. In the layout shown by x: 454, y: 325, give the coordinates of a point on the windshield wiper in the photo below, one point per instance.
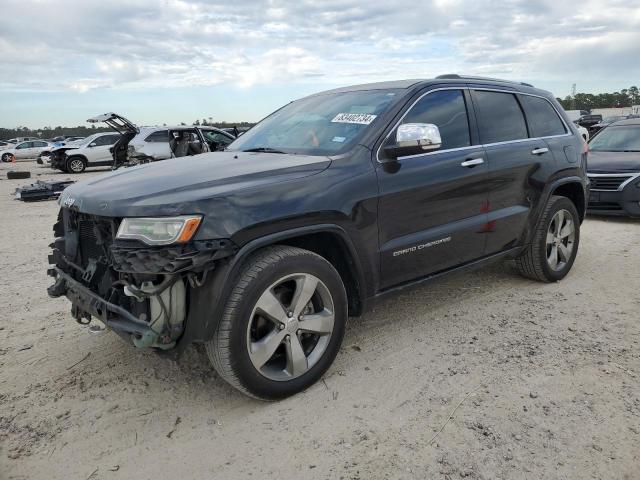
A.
x: 263, y: 149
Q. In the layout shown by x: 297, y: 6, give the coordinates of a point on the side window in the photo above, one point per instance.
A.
x: 500, y: 117
x: 447, y: 110
x: 39, y: 144
x: 159, y: 136
x: 106, y: 140
x: 217, y: 137
x: 542, y: 117
x: 24, y: 145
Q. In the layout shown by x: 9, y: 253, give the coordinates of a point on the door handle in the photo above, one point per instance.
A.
x: 472, y: 162
x: 539, y: 151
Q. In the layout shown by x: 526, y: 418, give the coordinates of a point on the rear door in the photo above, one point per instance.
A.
x: 518, y: 166
x: 432, y: 206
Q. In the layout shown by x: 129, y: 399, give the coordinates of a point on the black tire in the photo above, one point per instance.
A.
x: 533, y: 262
x: 75, y: 164
x: 228, y: 349
x: 6, y: 157
x: 16, y: 175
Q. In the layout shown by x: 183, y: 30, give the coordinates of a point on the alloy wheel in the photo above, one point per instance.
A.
x: 560, y: 240
x: 76, y: 165
x: 290, y: 326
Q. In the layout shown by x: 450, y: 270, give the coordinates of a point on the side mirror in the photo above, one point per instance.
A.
x: 92, y: 144
x: 413, y: 139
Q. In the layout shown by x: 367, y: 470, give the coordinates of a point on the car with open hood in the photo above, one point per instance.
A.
x: 75, y: 157
x: 262, y: 251
x: 614, y: 169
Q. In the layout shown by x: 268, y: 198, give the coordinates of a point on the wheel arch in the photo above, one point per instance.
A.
x: 327, y: 240
x: 574, y: 191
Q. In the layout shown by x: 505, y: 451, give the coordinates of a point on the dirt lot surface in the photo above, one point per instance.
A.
x: 479, y: 375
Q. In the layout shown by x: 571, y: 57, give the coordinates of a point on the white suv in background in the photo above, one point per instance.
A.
x: 160, y: 143
x: 22, y: 150
x: 93, y: 151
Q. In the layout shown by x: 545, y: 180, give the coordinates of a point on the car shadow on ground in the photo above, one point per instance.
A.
x: 195, y: 378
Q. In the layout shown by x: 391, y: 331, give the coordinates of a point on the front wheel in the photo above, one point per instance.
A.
x: 75, y: 165
x: 282, y: 325
x: 6, y: 157
x: 555, y: 242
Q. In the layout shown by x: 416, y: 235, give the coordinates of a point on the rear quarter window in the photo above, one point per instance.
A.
x: 500, y: 118
x: 542, y: 117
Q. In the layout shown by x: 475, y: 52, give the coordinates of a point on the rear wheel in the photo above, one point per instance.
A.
x: 76, y: 165
x: 554, y: 247
x: 282, y: 325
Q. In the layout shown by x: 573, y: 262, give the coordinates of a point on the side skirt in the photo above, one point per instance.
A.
x: 511, y: 253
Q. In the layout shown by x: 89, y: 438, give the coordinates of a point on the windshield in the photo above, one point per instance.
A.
x: 617, y: 139
x: 319, y: 125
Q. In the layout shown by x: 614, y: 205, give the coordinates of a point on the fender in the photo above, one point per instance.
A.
x: 206, y: 305
x: 546, y: 195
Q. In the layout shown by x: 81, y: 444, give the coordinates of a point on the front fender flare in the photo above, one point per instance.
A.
x: 207, y: 302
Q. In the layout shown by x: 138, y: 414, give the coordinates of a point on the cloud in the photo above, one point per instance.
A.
x: 83, y: 46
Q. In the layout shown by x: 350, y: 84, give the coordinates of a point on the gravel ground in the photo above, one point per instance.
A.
x: 480, y: 375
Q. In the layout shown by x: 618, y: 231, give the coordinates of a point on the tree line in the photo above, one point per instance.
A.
x: 85, y: 131
x: 626, y: 97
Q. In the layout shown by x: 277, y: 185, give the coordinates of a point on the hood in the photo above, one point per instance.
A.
x: 182, y: 185
x: 613, y: 162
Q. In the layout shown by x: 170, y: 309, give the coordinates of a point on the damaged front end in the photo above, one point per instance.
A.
x: 140, y: 291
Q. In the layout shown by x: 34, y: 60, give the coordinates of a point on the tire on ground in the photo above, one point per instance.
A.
x: 228, y: 351
x: 73, y: 161
x: 532, y: 262
x: 16, y: 174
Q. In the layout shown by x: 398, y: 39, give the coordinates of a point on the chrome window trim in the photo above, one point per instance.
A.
x: 568, y: 131
x: 632, y: 176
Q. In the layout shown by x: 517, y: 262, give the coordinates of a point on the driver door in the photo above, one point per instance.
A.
x: 432, y: 211
x: 24, y: 150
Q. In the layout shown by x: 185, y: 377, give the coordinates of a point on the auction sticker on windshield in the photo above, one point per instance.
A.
x: 361, y: 118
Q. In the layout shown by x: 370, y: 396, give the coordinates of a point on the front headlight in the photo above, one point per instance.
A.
x: 161, y: 230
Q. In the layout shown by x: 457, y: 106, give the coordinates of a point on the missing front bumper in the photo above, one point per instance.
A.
x: 87, y: 303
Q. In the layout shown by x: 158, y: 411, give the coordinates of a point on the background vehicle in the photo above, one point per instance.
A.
x: 608, y: 121
x: 614, y: 169
x: 261, y: 251
x: 588, y: 121
x: 160, y: 143
x: 583, y: 132
x: 5, y: 144
x: 575, y: 114
x: 75, y: 157
x: 148, y: 144
x: 24, y: 150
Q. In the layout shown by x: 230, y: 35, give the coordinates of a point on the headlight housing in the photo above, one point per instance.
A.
x: 160, y: 230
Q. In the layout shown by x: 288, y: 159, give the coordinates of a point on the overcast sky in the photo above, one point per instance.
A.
x: 169, y: 61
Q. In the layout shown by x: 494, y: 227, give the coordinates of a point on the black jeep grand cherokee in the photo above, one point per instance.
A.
x: 262, y: 251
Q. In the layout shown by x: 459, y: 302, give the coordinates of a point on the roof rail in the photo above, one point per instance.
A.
x: 469, y: 77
